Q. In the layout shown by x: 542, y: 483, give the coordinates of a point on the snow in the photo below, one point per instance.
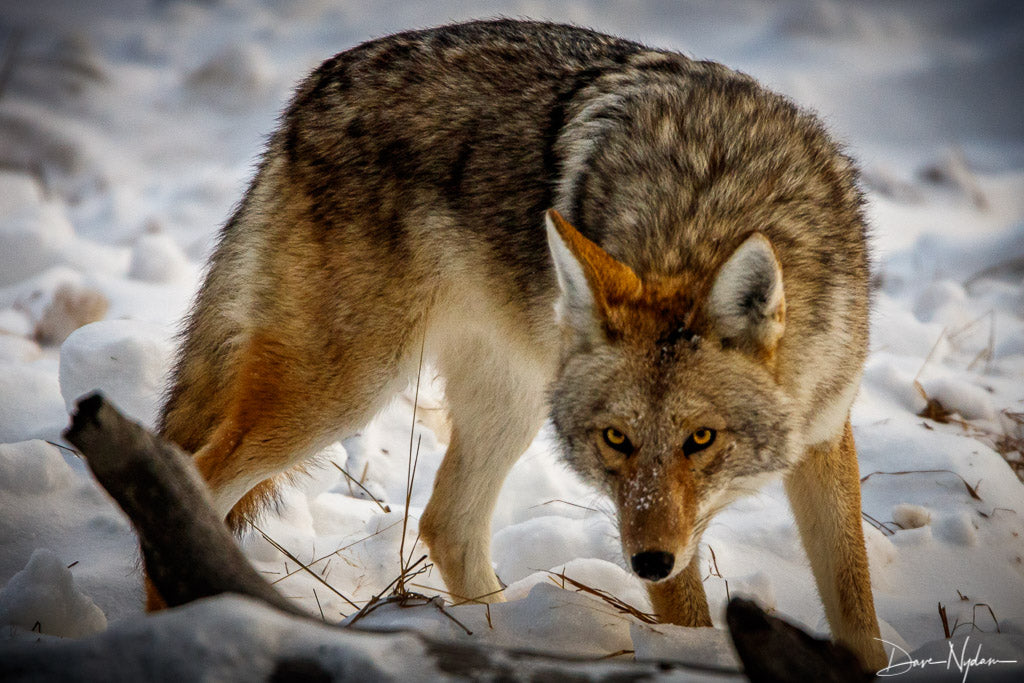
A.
x: 158, y: 258
x: 125, y: 359
x: 129, y: 129
x: 911, y: 516
x: 33, y: 468
x: 43, y: 596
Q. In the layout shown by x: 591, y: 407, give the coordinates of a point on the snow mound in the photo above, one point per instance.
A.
x: 594, y: 573
x: 237, y: 75
x: 44, y: 597
x: 708, y: 646
x: 957, y: 528
x: 545, y: 542
x: 34, y: 142
x: 911, y: 516
x: 34, y: 236
x: 38, y: 235
x: 158, y: 258
x: 969, y: 400
x: 32, y: 467
x: 938, y: 300
x: 16, y: 348
x: 584, y: 626
x: 125, y: 359
x: 29, y: 400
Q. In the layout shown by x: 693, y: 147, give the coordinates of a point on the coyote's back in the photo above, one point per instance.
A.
x: 693, y: 317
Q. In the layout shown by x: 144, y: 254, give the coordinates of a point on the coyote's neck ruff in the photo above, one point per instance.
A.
x: 692, y: 318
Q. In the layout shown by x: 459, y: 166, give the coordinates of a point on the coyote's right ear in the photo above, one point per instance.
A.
x: 590, y: 281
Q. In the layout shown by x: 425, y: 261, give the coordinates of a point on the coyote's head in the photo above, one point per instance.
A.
x: 666, y: 397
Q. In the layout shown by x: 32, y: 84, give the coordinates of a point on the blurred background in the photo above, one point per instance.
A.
x: 144, y: 113
x: 130, y: 128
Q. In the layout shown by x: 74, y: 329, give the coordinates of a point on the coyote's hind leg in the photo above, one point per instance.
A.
x: 284, y: 406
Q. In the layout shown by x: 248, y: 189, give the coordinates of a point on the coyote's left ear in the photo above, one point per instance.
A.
x: 747, y: 304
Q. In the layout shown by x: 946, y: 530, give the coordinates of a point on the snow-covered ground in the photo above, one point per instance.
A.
x: 128, y: 129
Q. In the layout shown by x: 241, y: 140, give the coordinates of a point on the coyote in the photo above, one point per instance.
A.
x: 656, y: 253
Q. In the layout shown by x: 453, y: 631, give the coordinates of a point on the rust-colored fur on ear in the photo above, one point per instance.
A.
x: 612, y: 283
x: 644, y: 310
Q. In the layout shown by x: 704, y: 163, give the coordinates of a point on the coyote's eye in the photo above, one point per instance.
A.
x: 698, y: 441
x: 617, y: 440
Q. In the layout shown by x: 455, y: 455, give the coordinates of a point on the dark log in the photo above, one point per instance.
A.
x: 774, y: 651
x: 187, y: 550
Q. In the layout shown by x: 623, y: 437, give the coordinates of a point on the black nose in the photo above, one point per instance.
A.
x: 652, y: 565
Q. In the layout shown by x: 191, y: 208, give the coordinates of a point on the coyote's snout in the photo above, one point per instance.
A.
x: 657, y: 513
x: 658, y: 254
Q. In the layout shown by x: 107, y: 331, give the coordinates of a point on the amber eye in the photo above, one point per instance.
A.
x: 698, y: 441
x: 617, y: 440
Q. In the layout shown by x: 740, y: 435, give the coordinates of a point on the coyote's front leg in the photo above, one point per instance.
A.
x: 681, y: 600
x: 456, y: 524
x: 824, y: 491
x: 496, y: 408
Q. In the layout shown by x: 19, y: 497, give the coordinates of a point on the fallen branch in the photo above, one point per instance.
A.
x: 774, y: 651
x: 187, y: 550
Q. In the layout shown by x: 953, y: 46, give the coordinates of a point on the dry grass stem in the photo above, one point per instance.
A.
x: 352, y: 480
x: 881, y: 526
x: 564, y: 502
x: 973, y: 623
x: 404, y: 598
x: 458, y: 600
x: 620, y: 605
x: 319, y: 606
x: 945, y: 621
x: 971, y: 490
x: 995, y: 510
x: 714, y: 571
x: 408, y: 501
x: 304, y: 567
x: 410, y: 473
x: 339, y: 550
x: 1009, y: 444
x: 476, y: 600
x: 987, y: 353
x: 399, y: 592
x: 65, y: 448
x: 927, y: 359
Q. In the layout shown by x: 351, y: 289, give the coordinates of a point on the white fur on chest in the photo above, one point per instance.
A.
x: 826, y: 425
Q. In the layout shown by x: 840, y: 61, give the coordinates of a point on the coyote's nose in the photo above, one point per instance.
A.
x: 652, y: 565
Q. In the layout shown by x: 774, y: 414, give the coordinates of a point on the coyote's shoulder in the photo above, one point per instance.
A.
x: 691, y: 314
